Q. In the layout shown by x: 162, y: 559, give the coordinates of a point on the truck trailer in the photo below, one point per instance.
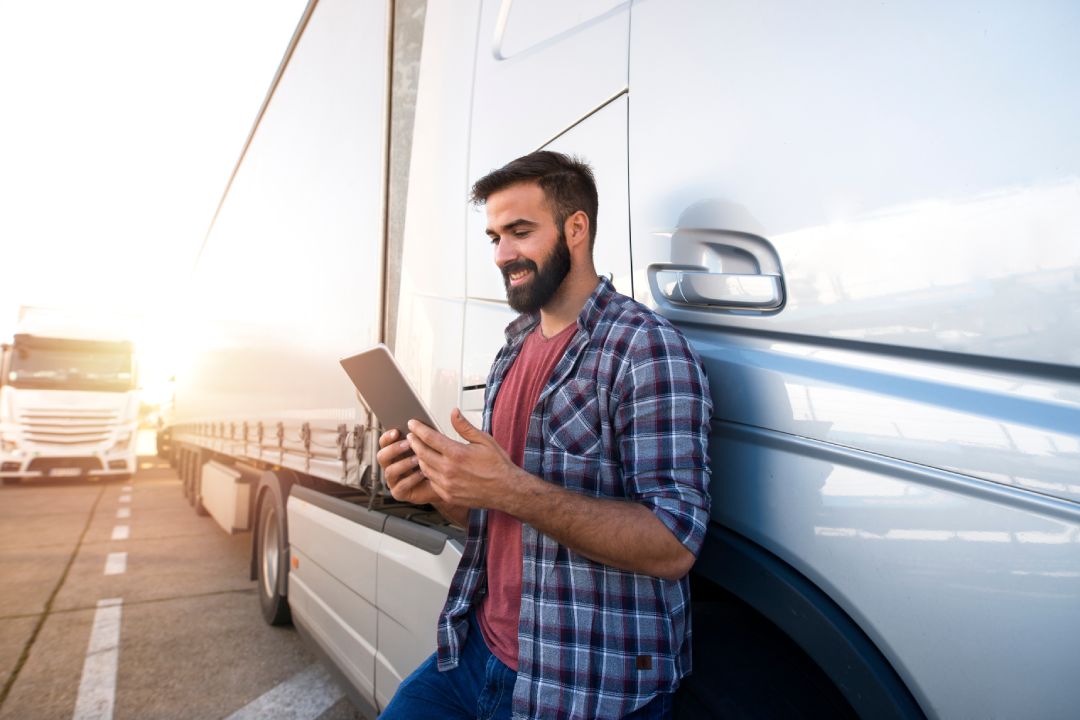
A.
x: 863, y: 216
x: 69, y: 399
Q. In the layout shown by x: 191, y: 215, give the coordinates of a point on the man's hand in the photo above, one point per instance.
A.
x: 401, y: 472
x: 479, y: 473
x: 476, y: 473
x: 406, y: 481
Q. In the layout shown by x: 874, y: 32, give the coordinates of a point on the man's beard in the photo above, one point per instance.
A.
x: 545, y: 280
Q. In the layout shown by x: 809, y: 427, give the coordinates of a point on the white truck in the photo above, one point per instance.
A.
x: 69, y: 399
x: 864, y: 216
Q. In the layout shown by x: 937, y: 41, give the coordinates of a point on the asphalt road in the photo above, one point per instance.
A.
x: 155, y: 621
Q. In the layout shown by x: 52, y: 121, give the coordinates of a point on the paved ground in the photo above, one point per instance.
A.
x: 180, y: 634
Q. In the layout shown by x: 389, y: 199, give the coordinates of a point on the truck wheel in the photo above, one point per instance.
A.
x: 196, y: 492
x: 182, y: 471
x: 745, y: 667
x: 272, y: 563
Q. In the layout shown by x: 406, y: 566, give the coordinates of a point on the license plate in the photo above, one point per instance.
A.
x: 64, y: 472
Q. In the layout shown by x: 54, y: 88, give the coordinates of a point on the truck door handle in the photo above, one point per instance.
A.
x: 714, y: 289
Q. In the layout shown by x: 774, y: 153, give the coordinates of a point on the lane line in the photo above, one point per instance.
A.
x: 25, y: 654
x: 97, y: 688
x: 126, y: 488
x: 116, y: 563
x: 121, y: 532
x: 125, y: 498
x: 123, y: 513
x: 304, y: 696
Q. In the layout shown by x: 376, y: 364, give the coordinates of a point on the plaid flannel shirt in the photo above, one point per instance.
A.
x: 625, y: 415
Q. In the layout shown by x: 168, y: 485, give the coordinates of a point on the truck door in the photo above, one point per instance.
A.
x: 552, y: 78
x: 865, y: 218
x: 415, y: 565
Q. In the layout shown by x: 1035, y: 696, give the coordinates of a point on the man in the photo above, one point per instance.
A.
x: 587, y: 504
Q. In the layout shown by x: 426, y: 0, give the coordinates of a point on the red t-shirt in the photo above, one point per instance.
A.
x: 500, y: 608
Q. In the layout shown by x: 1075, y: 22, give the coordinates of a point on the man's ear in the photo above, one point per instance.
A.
x: 576, y: 229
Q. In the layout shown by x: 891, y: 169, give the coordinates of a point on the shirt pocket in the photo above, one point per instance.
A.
x: 583, y: 473
x: 573, y: 419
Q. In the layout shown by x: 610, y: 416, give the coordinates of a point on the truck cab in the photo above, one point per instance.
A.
x: 68, y: 408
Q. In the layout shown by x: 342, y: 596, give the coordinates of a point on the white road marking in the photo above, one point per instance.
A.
x: 304, y: 696
x: 123, y: 513
x: 116, y: 563
x: 121, y: 532
x: 126, y: 488
x: 125, y: 498
x: 97, y: 689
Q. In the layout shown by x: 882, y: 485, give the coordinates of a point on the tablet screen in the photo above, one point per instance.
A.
x: 386, y: 390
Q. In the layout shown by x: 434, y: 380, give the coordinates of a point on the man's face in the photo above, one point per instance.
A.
x: 530, y: 249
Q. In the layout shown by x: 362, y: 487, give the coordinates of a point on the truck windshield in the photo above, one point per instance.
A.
x: 70, y: 369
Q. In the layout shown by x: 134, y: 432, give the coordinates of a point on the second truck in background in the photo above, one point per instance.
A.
x: 69, y: 400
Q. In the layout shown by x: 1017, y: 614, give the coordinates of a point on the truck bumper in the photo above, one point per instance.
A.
x: 43, y: 465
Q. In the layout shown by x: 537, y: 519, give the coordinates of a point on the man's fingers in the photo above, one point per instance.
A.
x: 435, y: 485
x: 465, y: 428
x: 406, y: 485
x: 387, y: 437
x: 425, y: 452
x: 387, y: 455
x: 431, y: 437
x: 399, y: 470
x: 425, y: 468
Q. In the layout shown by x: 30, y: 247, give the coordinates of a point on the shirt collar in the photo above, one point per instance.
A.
x: 587, y: 320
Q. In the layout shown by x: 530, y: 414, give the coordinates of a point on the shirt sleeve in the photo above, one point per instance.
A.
x: 662, y: 421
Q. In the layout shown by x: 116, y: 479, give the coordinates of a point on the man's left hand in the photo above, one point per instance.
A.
x: 476, y: 473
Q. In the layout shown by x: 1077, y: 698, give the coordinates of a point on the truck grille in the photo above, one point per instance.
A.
x: 67, y: 426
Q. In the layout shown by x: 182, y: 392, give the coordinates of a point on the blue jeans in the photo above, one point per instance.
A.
x: 480, y: 687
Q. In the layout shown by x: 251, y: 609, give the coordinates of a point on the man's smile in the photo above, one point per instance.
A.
x: 517, y: 272
x: 518, y: 276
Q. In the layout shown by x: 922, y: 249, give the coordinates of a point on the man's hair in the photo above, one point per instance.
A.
x: 567, y: 182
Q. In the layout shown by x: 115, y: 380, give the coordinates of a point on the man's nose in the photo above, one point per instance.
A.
x: 505, y: 252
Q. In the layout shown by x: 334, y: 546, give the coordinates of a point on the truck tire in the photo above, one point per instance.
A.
x: 272, y: 561
x: 193, y: 484
x: 182, y: 471
x: 746, y: 668
x: 196, y: 490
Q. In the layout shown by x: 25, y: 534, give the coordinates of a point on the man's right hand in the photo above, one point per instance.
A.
x: 402, y: 471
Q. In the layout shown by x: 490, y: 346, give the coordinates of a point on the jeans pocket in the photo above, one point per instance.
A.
x: 496, y: 697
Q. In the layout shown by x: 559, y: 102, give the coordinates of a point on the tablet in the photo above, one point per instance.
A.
x: 386, y: 390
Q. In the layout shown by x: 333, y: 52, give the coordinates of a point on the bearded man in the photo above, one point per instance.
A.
x: 585, y: 494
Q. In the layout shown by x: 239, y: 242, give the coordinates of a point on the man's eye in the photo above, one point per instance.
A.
x: 494, y: 239
x: 521, y: 233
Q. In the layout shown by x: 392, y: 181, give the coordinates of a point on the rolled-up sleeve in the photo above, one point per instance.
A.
x: 662, y: 423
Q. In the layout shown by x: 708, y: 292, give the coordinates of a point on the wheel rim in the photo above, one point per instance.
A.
x: 270, y: 553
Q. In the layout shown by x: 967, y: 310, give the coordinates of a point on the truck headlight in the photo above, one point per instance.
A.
x: 122, y: 442
x: 8, y: 445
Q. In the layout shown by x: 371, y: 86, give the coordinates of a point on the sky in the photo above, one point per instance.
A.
x: 120, y: 123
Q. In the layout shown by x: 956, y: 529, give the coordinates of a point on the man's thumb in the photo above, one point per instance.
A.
x: 465, y: 428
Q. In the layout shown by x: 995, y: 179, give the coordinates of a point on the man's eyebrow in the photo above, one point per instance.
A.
x: 514, y: 225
